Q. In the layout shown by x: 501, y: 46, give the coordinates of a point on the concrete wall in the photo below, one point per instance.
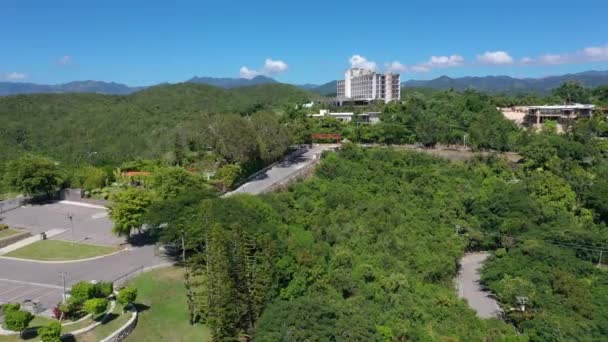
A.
x: 12, y: 203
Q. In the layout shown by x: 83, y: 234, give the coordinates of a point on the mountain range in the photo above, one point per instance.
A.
x: 493, y: 84
x: 507, y: 84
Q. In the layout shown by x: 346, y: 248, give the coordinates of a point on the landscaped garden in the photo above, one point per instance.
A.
x: 59, y: 250
x: 88, y: 306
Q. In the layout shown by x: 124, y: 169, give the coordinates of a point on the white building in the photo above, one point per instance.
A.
x: 368, y: 117
x: 367, y: 85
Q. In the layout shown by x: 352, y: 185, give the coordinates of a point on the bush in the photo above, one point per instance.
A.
x: 6, y: 308
x: 50, y: 332
x: 17, y: 320
x: 103, y: 289
x: 82, y: 291
x: 96, y: 306
x: 127, y: 296
x: 3, y: 226
x: 71, y: 307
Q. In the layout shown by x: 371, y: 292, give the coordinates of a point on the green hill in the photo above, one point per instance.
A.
x: 114, y: 128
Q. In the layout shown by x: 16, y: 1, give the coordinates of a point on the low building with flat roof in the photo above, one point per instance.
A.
x: 368, y: 117
x: 563, y: 114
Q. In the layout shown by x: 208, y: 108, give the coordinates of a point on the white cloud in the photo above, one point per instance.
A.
x: 596, y: 53
x: 420, y: 68
x: 495, y: 57
x: 438, y: 62
x: 271, y: 67
x: 553, y: 59
x: 395, y: 67
x: 274, y: 66
x: 358, y: 61
x: 16, y: 76
x: 65, y: 60
x: 526, y: 60
x: 247, y: 73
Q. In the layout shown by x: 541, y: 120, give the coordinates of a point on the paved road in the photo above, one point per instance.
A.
x: 470, y: 289
x: 280, y: 172
x: 21, y: 280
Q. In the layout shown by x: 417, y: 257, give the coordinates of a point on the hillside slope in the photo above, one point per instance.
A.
x: 72, y: 127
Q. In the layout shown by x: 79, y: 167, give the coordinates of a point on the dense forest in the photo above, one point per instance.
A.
x: 367, y: 249
x: 110, y: 129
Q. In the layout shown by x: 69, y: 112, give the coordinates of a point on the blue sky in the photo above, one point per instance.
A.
x: 147, y: 42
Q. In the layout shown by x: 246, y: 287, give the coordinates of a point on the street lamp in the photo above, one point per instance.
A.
x: 71, y: 218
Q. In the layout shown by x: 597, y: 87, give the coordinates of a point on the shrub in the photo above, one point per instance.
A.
x: 82, y: 291
x: 3, y: 226
x: 104, y: 289
x: 6, y: 308
x: 50, y: 332
x: 71, y: 307
x: 96, y: 306
x: 17, y: 320
x: 127, y: 296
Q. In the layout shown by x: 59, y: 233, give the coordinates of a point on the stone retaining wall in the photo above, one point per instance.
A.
x: 9, y: 240
x: 124, y: 331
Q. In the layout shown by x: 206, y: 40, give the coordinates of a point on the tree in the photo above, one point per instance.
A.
x: 89, y: 178
x: 33, y: 175
x: 127, y: 296
x: 227, y: 175
x: 169, y: 182
x: 95, y: 306
x: 572, y: 92
x: 17, y: 320
x: 272, y: 137
x: 233, y: 138
x: 50, y: 332
x: 128, y: 209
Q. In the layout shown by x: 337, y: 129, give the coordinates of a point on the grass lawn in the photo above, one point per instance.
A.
x: 163, y: 309
x: 8, y: 232
x: 58, y: 250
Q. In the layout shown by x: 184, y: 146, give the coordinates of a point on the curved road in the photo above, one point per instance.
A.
x: 470, y: 289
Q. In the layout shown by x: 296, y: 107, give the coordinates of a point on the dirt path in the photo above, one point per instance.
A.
x: 469, y: 288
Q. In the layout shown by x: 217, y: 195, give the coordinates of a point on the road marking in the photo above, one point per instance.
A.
x: 31, y: 283
x: 80, y: 204
x: 99, y: 215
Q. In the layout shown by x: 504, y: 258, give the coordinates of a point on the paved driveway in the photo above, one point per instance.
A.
x: 280, y: 172
x: 91, y: 223
x: 470, y: 289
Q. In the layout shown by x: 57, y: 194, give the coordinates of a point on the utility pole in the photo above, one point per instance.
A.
x: 63, y: 274
x: 184, y: 251
x: 599, y: 262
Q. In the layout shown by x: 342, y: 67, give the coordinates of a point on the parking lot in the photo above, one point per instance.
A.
x: 88, y: 223
x: 12, y: 291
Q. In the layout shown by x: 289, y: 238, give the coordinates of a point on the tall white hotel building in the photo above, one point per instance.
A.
x: 367, y: 85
